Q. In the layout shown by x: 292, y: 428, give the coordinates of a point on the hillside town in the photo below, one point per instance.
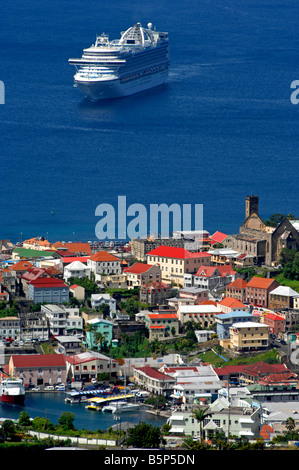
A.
x: 73, y: 312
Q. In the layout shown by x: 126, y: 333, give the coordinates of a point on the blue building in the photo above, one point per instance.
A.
x: 225, y: 320
x: 48, y: 289
x: 99, y: 330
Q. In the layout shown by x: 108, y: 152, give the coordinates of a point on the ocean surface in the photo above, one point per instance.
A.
x: 223, y: 126
x: 51, y: 405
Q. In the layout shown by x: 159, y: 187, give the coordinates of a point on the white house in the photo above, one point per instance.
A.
x: 100, y: 299
x: 76, y: 269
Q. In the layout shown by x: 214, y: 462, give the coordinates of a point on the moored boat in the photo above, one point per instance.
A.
x: 121, y: 407
x: 12, y: 390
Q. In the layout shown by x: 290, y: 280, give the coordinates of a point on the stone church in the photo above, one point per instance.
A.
x: 261, y: 241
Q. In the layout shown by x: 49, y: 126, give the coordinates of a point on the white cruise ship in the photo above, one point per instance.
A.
x: 135, y: 62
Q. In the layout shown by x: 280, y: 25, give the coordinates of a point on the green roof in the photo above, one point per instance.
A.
x: 28, y: 253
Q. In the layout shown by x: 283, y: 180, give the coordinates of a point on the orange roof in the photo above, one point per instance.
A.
x: 208, y: 302
x: 162, y: 315
x: 22, y: 265
x: 103, y: 256
x: 78, y: 247
x: 238, y: 283
x: 232, y: 303
x: 260, y: 282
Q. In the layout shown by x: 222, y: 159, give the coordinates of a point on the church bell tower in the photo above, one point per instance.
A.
x: 252, y: 205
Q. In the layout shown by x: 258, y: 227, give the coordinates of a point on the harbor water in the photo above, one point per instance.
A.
x: 51, y: 405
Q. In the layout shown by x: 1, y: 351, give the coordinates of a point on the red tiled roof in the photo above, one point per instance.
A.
x: 278, y: 378
x: 226, y: 269
x: 260, y: 282
x: 218, y: 237
x: 79, y: 247
x: 154, y: 373
x: 47, y: 282
x: 138, y: 268
x: 261, y: 367
x: 103, y: 256
x: 176, y: 252
x: 273, y: 316
x: 38, y: 360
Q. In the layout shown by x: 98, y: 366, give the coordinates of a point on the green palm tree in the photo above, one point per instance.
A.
x: 100, y: 338
x: 200, y: 414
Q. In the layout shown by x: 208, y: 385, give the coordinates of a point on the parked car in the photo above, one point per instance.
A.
x: 49, y: 387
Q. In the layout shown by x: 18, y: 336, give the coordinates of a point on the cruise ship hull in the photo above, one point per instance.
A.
x: 116, y: 88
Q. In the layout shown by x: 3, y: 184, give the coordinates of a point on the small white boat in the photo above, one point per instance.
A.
x: 120, y: 407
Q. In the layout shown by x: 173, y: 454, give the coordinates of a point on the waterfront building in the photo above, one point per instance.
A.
x: 156, y: 382
x: 38, y: 369
x: 225, y: 419
x: 85, y: 366
x: 194, y: 384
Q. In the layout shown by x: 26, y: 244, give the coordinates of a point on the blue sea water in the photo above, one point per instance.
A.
x: 221, y: 128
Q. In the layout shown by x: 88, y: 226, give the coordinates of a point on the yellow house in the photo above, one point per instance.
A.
x: 248, y: 336
x: 174, y: 262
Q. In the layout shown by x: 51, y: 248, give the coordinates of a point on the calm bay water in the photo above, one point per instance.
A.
x: 221, y: 128
x: 52, y: 405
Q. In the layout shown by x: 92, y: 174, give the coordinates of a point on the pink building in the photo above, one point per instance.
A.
x: 38, y: 369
